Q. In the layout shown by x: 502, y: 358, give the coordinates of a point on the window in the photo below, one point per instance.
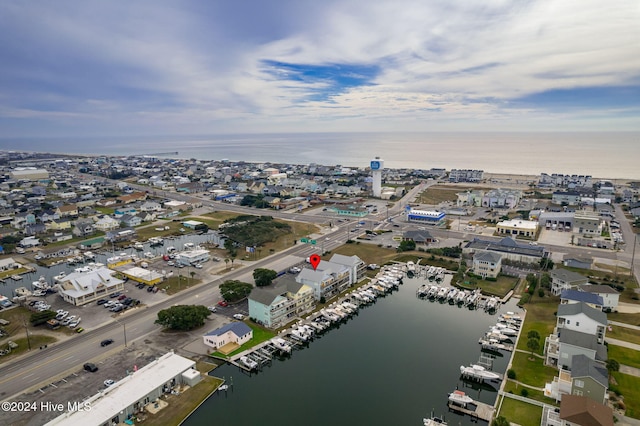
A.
x: 577, y: 392
x: 579, y: 383
x: 577, y: 323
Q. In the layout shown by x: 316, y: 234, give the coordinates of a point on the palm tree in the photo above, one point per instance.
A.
x: 226, y: 261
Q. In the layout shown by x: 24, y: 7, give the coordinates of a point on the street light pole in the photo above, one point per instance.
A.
x: 26, y: 329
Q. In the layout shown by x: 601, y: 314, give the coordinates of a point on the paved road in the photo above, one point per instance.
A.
x: 59, y: 359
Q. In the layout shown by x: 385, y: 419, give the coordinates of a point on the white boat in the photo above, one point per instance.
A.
x: 442, y: 293
x: 40, y: 293
x: 491, y: 304
x: 60, y: 276
x: 460, y: 398
x: 462, y: 295
x: 41, y: 284
x: 299, y: 335
x: 223, y: 387
x: 188, y: 246
x: 16, y: 277
x: 433, y: 291
x: 138, y: 246
x: 511, y: 316
x: 479, y: 371
x: 506, y: 330
x: 89, y: 255
x: 434, y: 421
x: 248, y: 362
x: 281, y: 344
x: 452, y: 294
x: 22, y: 291
x: 411, y: 267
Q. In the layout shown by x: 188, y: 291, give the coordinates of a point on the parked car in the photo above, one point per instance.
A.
x: 108, y: 382
x: 116, y: 294
x: 127, y: 301
x: 223, y: 303
x: 102, y: 301
x: 91, y: 367
x: 212, y: 308
x: 106, y: 342
x: 238, y: 316
x: 141, y: 285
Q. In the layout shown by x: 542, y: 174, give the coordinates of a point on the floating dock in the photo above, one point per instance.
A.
x: 477, y: 410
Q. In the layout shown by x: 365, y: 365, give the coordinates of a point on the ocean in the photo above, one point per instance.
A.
x: 611, y: 155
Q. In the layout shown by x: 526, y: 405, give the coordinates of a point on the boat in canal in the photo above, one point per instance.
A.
x: 434, y: 421
x: 460, y: 398
x: 248, y: 362
x: 479, y: 372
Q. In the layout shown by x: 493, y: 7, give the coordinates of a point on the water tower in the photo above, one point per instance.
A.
x: 377, y: 164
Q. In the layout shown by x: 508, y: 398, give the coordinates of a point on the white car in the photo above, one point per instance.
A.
x: 198, y: 266
x: 212, y: 308
x: 108, y: 382
x: 238, y: 316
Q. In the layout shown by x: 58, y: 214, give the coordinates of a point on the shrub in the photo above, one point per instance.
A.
x: 524, y: 392
x: 511, y: 374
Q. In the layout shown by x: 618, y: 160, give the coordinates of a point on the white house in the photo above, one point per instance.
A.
x: 583, y: 318
x: 564, y: 279
x: 107, y: 223
x: 487, y: 264
x: 610, y: 297
x: 235, y: 332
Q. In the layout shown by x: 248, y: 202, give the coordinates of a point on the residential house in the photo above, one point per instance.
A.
x: 487, y: 264
x: 586, y: 378
x: 276, y: 305
x: 67, y: 210
x: 28, y: 242
x: 236, y: 333
x: 579, y: 410
x: 575, y: 296
x: 610, y: 297
x: 8, y: 264
x: 83, y: 227
x: 150, y: 206
x: 107, y: 223
x: 575, y: 262
x: 357, y: 267
x: 564, y: 279
x: 60, y: 224
x: 121, y: 211
x: 561, y: 347
x: 327, y: 280
x: 581, y: 317
x: 120, y: 235
x: 130, y: 220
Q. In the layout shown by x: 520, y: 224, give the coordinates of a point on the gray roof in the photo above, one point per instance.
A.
x: 506, y: 245
x: 581, y: 296
x: 583, y: 340
x: 266, y: 295
x: 487, y: 257
x: 583, y: 366
x: 237, y: 328
x: 581, y: 307
x: 345, y: 260
x: 597, y: 288
x: 418, y: 236
x: 567, y: 275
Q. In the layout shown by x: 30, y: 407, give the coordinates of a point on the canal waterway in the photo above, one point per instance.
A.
x: 392, y: 364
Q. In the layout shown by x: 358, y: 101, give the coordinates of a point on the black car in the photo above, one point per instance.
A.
x: 127, y: 301
x: 90, y: 367
x: 106, y: 342
x: 102, y: 301
x: 141, y: 285
x: 116, y: 294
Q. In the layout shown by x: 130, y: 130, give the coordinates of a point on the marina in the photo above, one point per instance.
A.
x: 365, y: 347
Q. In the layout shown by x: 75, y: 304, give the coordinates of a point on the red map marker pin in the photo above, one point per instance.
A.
x: 314, y: 259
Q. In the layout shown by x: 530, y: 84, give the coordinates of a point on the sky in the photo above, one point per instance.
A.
x: 149, y: 67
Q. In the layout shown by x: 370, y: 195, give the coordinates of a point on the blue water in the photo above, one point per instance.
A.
x: 599, y: 154
x: 393, y: 364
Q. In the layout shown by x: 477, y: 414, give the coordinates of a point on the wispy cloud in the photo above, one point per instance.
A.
x: 337, y: 65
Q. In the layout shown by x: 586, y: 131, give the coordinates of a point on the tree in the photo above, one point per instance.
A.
x: 183, y: 317
x: 612, y: 365
x: 546, y: 263
x: 545, y: 281
x: 38, y: 318
x: 500, y: 421
x: 511, y: 374
x: 233, y: 290
x: 407, y: 245
x: 263, y: 276
x: 533, y: 334
x: 533, y: 345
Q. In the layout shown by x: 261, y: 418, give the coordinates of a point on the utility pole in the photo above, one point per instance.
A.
x: 26, y: 329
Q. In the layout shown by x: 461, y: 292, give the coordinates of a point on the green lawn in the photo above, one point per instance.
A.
x: 498, y: 288
x: 624, y: 356
x: 259, y: 335
x: 533, y: 373
x: 624, y: 333
x: 368, y: 252
x: 629, y: 388
x: 515, y: 388
x: 540, y: 317
x: 633, y: 319
x: 520, y: 412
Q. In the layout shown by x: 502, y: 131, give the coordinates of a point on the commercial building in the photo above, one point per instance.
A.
x: 330, y: 278
x: 465, y: 175
x: 508, y: 248
x: 80, y: 288
x: 427, y: 217
x: 588, y: 222
x: 192, y: 257
x: 523, y: 228
x: 29, y: 173
x: 130, y: 396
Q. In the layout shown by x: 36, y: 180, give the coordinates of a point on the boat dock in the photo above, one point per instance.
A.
x: 477, y: 410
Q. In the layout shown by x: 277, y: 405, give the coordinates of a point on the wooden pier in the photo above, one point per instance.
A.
x: 477, y: 410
